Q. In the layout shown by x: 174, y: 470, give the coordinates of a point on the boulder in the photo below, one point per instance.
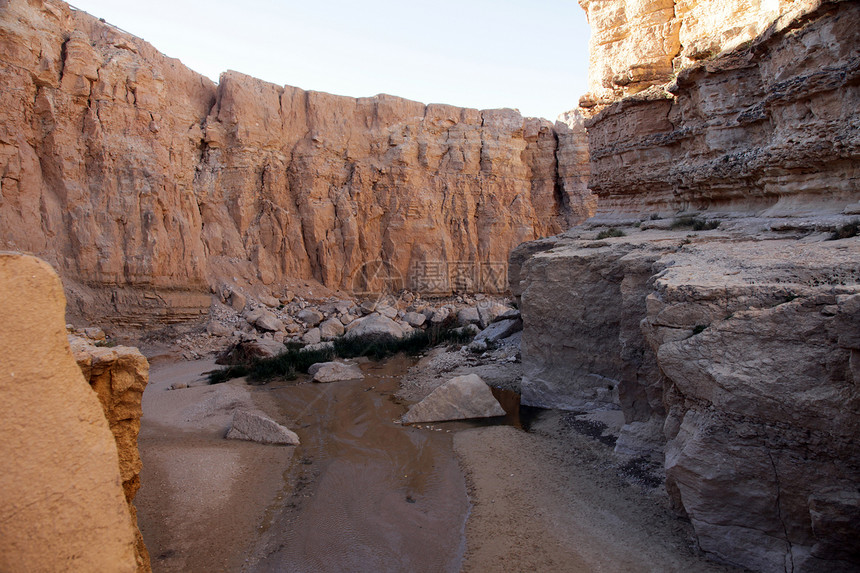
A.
x: 459, y: 398
x: 312, y: 336
x: 238, y: 301
x: 374, y: 325
x: 468, y: 315
x: 335, y: 372
x: 331, y: 328
x: 255, y: 426
x: 269, y: 301
x: 499, y: 330
x: 218, y: 329
x: 488, y: 312
x: 265, y: 320
x: 310, y: 316
x: 414, y: 319
x: 440, y: 316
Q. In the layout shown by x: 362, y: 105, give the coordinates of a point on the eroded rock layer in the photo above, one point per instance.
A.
x: 118, y: 375
x: 768, y: 128
x: 144, y: 182
x: 732, y: 353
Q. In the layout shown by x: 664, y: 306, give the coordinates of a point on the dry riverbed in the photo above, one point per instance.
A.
x: 363, y: 493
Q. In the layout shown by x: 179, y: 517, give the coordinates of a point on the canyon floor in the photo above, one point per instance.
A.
x: 365, y: 493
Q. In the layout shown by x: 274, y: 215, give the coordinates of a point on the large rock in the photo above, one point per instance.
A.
x: 310, y: 316
x: 334, y: 372
x: 374, y: 325
x: 489, y: 311
x: 459, y: 398
x: 268, y: 321
x: 254, y: 426
x: 62, y: 504
x: 189, y: 183
x: 331, y: 328
x: 468, y: 315
x: 499, y: 330
x: 415, y: 319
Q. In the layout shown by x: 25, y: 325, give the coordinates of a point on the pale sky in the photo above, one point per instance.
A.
x: 529, y: 55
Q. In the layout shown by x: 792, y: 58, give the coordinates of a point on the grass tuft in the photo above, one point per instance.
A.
x: 846, y: 231
x: 611, y: 232
x: 695, y: 223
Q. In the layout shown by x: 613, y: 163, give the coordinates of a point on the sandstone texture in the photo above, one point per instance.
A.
x: 638, y: 44
x: 119, y: 376
x: 146, y: 184
x: 62, y: 504
x: 461, y: 397
x: 733, y: 356
x: 771, y: 128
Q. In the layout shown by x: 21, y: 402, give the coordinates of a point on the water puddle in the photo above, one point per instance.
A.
x: 366, y: 493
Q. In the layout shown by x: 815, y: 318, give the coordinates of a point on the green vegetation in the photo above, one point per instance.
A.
x: 695, y: 223
x: 846, y: 231
x: 105, y: 343
x: 611, y: 232
x: 295, y: 359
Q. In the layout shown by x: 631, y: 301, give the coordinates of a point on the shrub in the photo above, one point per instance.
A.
x: 846, y: 231
x: 295, y: 359
x: 695, y: 223
x: 611, y: 232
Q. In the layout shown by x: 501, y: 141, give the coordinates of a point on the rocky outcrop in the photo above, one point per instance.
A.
x: 118, y: 375
x: 635, y: 45
x: 732, y: 354
x: 146, y: 184
x: 62, y: 505
x: 771, y: 128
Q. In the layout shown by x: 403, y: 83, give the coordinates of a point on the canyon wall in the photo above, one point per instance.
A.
x: 770, y: 128
x: 62, y: 505
x: 145, y: 184
x: 722, y: 320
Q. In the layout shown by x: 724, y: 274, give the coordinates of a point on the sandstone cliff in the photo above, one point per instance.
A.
x: 118, y: 376
x: 768, y: 128
x: 62, y: 506
x: 731, y: 352
x: 145, y: 184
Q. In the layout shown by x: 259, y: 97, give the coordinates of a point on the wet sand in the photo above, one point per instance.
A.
x: 363, y: 493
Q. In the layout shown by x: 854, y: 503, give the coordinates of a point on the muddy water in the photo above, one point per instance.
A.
x: 366, y: 494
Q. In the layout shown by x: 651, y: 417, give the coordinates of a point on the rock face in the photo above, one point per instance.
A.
x: 768, y: 128
x: 144, y: 183
x: 730, y: 351
x: 62, y: 505
x: 635, y: 45
x: 255, y: 426
x: 459, y: 398
x: 740, y: 346
x: 119, y: 376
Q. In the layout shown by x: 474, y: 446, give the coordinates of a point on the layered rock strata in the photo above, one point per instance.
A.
x: 734, y: 355
x: 770, y: 128
x: 118, y: 375
x: 146, y: 184
x: 62, y: 505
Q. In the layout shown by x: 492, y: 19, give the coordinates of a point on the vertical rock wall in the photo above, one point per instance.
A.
x: 146, y: 184
x: 62, y: 506
x: 119, y: 376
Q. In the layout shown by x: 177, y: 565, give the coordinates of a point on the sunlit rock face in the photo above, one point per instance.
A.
x: 145, y: 183
x: 768, y: 128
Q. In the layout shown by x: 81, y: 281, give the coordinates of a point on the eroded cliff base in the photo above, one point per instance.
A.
x: 733, y: 354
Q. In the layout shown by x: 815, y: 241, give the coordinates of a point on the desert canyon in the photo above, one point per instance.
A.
x: 662, y: 288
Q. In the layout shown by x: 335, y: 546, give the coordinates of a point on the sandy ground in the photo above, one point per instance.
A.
x: 202, y: 498
x: 363, y: 493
